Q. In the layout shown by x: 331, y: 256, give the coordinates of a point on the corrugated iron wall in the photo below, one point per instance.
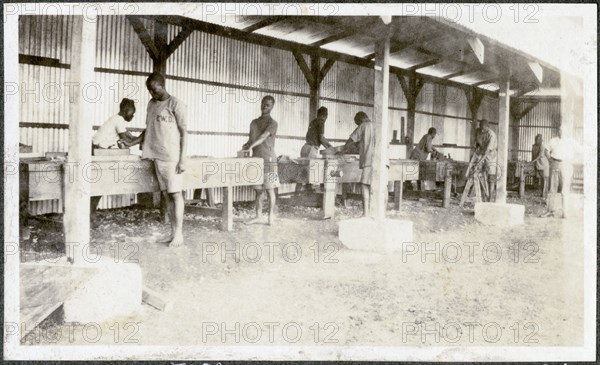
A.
x: 222, y: 81
x: 540, y: 120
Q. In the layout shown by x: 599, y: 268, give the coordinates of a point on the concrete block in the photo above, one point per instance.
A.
x: 382, y: 235
x: 499, y: 214
x: 114, y: 290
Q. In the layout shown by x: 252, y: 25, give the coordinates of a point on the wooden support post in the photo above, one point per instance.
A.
x: 411, y: 92
x: 447, y: 188
x: 314, y: 75
x: 77, y: 188
x: 160, y: 41
x: 474, y: 98
x: 380, y: 118
x: 398, y: 185
x: 517, y: 113
x: 315, y: 87
x: 329, y: 188
x: 227, y: 223
x: 503, y: 121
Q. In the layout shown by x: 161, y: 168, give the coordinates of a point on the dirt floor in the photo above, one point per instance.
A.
x: 459, y: 283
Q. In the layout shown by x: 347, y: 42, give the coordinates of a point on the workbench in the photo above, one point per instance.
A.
x: 340, y: 169
x: 521, y: 170
x: 42, y: 178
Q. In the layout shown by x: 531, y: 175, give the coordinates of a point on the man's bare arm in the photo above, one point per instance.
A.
x: 259, y: 141
x: 182, y: 127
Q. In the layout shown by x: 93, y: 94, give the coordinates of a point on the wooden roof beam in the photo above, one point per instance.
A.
x: 483, y: 82
x: 178, y: 40
x: 264, y: 23
x: 288, y: 45
x: 424, y: 64
x: 334, y: 38
x: 456, y: 74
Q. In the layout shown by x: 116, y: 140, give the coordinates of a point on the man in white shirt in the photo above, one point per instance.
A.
x: 562, y: 151
x: 113, y: 130
x: 110, y: 134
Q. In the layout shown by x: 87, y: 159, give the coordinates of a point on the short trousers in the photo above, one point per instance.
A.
x: 543, y: 171
x: 168, y: 178
x: 366, y: 174
x: 562, y: 174
x: 271, y: 177
x: 490, y: 165
x: 309, y: 151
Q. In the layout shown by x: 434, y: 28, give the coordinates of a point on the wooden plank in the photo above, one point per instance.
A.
x: 264, y: 23
x: 227, y: 221
x: 131, y: 177
x: 31, y: 317
x: 156, y: 300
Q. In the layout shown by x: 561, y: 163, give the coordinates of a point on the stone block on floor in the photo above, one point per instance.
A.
x: 499, y: 214
x: 381, y: 235
x: 114, y: 290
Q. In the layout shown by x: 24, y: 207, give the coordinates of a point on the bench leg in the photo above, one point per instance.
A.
x: 447, y: 188
x: 522, y: 187
x: 398, y: 194
x: 227, y: 223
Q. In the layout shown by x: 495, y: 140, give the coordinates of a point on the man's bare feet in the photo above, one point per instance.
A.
x: 258, y: 220
x: 177, y: 241
x: 167, y: 239
x: 272, y: 219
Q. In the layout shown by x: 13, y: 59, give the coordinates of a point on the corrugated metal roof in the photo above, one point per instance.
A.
x: 415, y: 41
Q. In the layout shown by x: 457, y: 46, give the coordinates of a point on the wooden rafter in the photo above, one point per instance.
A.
x: 514, y: 109
x: 483, y: 82
x: 456, y: 74
x: 424, y: 64
x: 328, y: 64
x: 288, y: 45
x: 474, y: 99
x: 334, y: 38
x: 178, y: 40
x: 264, y: 23
x: 304, y: 67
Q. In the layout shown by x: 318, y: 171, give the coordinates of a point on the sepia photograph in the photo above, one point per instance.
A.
x: 300, y: 181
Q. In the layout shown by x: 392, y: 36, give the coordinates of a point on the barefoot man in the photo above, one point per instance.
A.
x: 364, y: 135
x: 164, y: 142
x: 262, y: 143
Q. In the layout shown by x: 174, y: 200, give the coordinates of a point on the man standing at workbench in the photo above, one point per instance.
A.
x: 113, y: 133
x: 425, y: 146
x: 262, y: 143
x: 540, y: 160
x: 164, y: 142
x: 364, y: 136
x: 563, y: 151
x: 315, y: 136
x: 486, y: 157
